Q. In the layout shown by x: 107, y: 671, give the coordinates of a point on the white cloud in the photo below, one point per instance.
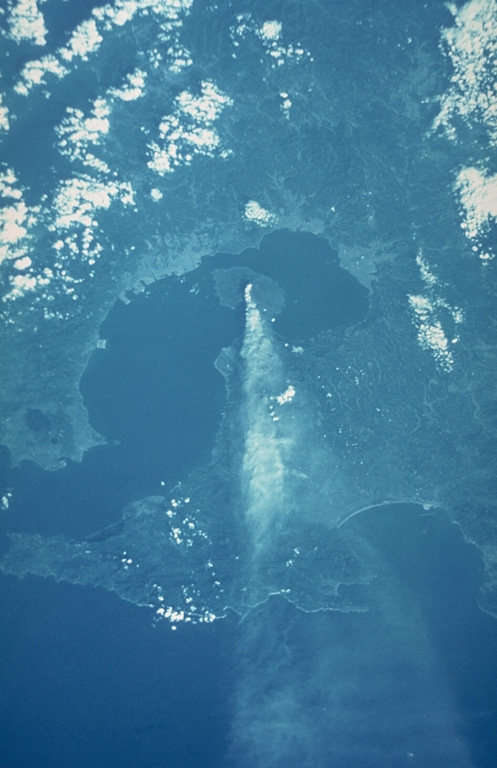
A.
x: 84, y: 40
x: 207, y: 106
x: 4, y: 116
x: 286, y: 103
x: 23, y: 283
x: 12, y: 229
x: 270, y: 34
x: 426, y: 274
x: 72, y: 214
x: 8, y: 183
x: 181, y: 59
x: 66, y: 226
x: 160, y: 159
x: 431, y: 335
x: 16, y: 218
x: 133, y: 87
x: 472, y: 47
x: 77, y: 131
x: 286, y: 396
x: 189, y: 130
x: 20, y: 284
x: 33, y: 73
x: 81, y: 245
x: 23, y: 263
x: 26, y: 22
x: 427, y: 311
x: 96, y: 164
x: 123, y: 11
x: 270, y: 30
x: 78, y: 199
x: 259, y: 215
x: 478, y: 198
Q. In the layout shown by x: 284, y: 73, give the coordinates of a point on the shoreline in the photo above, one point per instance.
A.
x: 426, y: 506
